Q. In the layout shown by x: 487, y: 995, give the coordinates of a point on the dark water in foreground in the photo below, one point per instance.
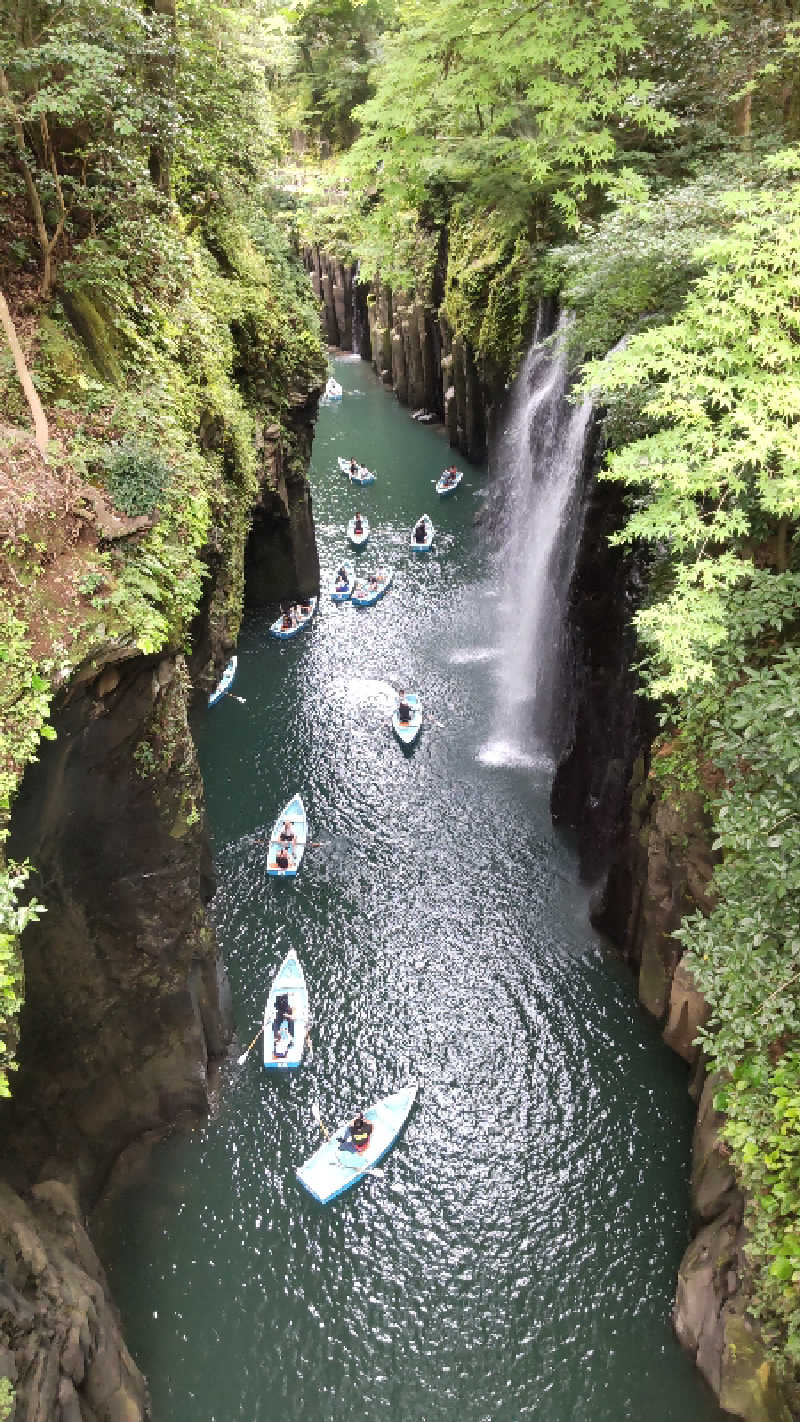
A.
x: 517, y: 1259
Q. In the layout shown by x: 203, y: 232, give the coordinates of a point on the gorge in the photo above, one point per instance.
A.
x: 605, y: 640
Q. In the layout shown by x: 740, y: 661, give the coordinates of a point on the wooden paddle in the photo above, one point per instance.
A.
x: 245, y: 1055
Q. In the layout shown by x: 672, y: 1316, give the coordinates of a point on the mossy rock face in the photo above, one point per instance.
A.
x: 750, y: 1389
x: 63, y: 371
x: 90, y: 321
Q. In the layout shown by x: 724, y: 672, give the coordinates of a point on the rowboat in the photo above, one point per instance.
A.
x: 361, y: 474
x: 337, y: 1165
x: 284, y: 1049
x: 358, y: 539
x: 333, y: 390
x: 299, y: 621
x: 364, y: 594
x: 225, y: 682
x: 446, y: 485
x: 422, y: 545
x: 342, y: 593
x: 295, y: 813
x: 407, y: 731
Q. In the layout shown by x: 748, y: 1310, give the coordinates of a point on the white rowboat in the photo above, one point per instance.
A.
x: 295, y: 813
x: 422, y: 545
x: 332, y: 1170
x: 225, y: 682
x: 284, y: 1049
x: 407, y: 731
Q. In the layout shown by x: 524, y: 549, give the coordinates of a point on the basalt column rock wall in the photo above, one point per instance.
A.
x: 652, y: 863
x: 410, y: 346
x: 281, y: 560
x: 126, y: 1006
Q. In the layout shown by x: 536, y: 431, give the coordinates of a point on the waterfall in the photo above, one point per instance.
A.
x: 539, y: 456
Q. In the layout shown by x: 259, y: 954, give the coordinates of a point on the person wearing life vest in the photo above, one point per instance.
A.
x: 403, y: 709
x: 360, y: 1131
x: 421, y: 531
x: 358, y: 526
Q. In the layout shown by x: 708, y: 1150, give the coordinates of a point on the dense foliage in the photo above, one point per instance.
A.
x: 172, y: 320
x: 638, y: 159
x: 715, y: 491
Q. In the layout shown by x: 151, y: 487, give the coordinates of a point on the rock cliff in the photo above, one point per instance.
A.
x: 410, y: 346
x: 126, y: 1001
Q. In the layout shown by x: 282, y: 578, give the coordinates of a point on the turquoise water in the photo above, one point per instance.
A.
x: 517, y: 1258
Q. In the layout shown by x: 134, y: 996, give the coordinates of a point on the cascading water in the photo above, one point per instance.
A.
x: 540, y: 457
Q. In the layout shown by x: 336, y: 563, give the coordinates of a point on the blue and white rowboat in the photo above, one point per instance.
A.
x: 358, y: 539
x: 361, y: 474
x: 446, y: 484
x: 330, y: 1170
x: 295, y: 813
x: 407, y: 731
x: 341, y: 592
x: 286, y: 1049
x: 422, y: 545
x: 364, y: 595
x: 299, y: 621
x: 225, y: 682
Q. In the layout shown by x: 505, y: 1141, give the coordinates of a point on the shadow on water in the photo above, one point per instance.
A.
x: 517, y: 1258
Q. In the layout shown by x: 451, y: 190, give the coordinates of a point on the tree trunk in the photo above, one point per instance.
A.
x: 39, y: 419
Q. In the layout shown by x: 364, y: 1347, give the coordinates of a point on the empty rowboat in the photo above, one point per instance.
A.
x: 225, y: 682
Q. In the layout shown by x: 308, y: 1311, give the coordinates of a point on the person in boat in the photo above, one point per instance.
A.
x: 287, y: 621
x: 287, y: 834
x: 421, y: 531
x: 341, y: 579
x: 282, y: 857
x: 403, y: 709
x: 358, y: 526
x: 283, y: 1013
x: 372, y: 583
x: 450, y: 474
x: 353, y: 466
x: 357, y: 1136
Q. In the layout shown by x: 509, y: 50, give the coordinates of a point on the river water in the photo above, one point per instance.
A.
x: 517, y: 1259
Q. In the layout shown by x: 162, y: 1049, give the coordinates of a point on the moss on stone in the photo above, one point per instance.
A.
x: 92, y: 322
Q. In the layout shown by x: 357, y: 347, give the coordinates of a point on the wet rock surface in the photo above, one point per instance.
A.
x: 410, y: 347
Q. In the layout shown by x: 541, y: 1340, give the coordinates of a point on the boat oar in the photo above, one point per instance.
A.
x: 315, y: 1112
x: 237, y: 698
x: 245, y: 1055
x: 310, y: 1046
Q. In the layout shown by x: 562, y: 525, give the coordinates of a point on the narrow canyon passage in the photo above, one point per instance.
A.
x: 517, y: 1259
